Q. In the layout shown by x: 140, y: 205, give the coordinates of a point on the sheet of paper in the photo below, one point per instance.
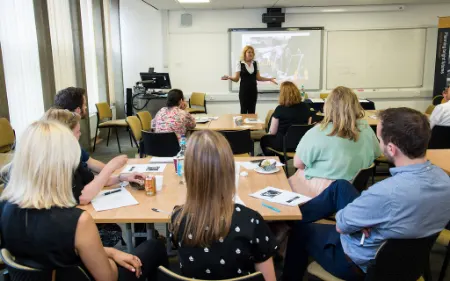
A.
x: 317, y: 100
x: 280, y: 196
x: 364, y: 101
x: 113, y: 201
x: 252, y: 166
x: 161, y: 160
x: 373, y: 117
x: 144, y: 168
x: 252, y: 121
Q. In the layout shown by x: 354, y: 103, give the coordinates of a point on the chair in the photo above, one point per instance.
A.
x: 444, y: 240
x: 396, y: 259
x: 430, y: 109
x: 146, y: 119
x: 159, y: 144
x: 198, y: 100
x: 7, y: 138
x: 324, y: 96
x: 136, y: 128
x: 361, y: 180
x: 105, y: 112
x: 166, y: 275
x: 18, y: 272
x: 438, y: 100
x: 240, y: 141
x: 290, y: 141
x: 257, y: 135
x: 440, y: 137
x: 381, y: 160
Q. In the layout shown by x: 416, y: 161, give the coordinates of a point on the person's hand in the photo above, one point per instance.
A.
x: 136, y: 177
x: 130, y: 262
x: 117, y: 162
x: 183, y: 105
x: 366, y: 232
x: 225, y: 77
x: 273, y: 80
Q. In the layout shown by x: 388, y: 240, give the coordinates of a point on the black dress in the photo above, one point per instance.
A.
x: 249, y: 241
x: 248, y: 90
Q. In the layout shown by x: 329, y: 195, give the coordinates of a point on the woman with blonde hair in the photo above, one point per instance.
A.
x: 40, y: 224
x: 247, y: 71
x: 290, y: 111
x: 337, y: 148
x: 218, y: 239
x: 86, y: 186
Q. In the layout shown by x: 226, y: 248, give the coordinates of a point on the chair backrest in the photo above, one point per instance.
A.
x: 268, y: 119
x: 361, y: 180
x: 136, y: 128
x: 146, y: 120
x: 166, y: 275
x: 197, y: 99
x: 160, y: 144
x: 401, y: 259
x: 293, y: 136
x: 7, y: 136
x: 438, y: 99
x: 240, y: 141
x: 430, y: 109
x: 324, y: 95
x: 18, y: 272
x: 440, y: 137
x: 103, y: 110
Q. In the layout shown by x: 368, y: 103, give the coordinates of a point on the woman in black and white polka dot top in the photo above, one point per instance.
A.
x: 216, y: 238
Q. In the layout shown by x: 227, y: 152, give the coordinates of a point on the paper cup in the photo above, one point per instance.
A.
x: 159, y: 183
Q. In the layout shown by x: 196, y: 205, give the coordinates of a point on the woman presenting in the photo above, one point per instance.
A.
x: 248, y: 72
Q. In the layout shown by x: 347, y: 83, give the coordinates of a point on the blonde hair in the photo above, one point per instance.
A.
x: 289, y: 94
x: 342, y: 109
x: 68, y: 118
x: 210, y: 181
x: 43, y: 166
x: 246, y: 48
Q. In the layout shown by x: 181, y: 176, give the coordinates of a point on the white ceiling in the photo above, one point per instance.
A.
x: 240, y: 4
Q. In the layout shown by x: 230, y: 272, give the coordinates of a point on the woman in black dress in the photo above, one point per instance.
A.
x: 247, y: 71
x: 216, y: 238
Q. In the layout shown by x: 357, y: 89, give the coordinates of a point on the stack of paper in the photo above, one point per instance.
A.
x: 115, y: 200
x: 280, y: 196
x: 144, y: 168
x: 253, y: 121
x: 252, y: 166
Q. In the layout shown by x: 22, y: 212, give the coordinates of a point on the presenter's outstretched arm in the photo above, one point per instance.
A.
x: 235, y: 78
x: 263, y: 79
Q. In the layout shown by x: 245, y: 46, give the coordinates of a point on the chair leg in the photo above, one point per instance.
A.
x: 95, y: 138
x: 107, y: 140
x: 118, y: 142
x: 131, y: 141
x: 445, y: 264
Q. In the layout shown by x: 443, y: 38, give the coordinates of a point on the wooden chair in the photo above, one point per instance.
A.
x: 324, y: 96
x: 430, y: 109
x: 146, y: 119
x: 159, y: 144
x: 104, y: 112
x: 438, y: 100
x: 198, y: 100
x: 240, y: 141
x: 361, y: 180
x: 444, y: 240
x: 19, y: 272
x: 257, y: 135
x: 136, y: 130
x: 440, y: 137
x: 166, y: 275
x: 396, y: 259
x: 7, y: 137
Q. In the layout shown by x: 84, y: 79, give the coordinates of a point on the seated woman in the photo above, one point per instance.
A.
x: 217, y: 238
x: 86, y: 185
x: 291, y: 111
x: 337, y: 148
x: 174, y: 117
x: 40, y: 224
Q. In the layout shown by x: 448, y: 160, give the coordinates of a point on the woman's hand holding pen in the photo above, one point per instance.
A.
x: 273, y: 80
x: 226, y: 77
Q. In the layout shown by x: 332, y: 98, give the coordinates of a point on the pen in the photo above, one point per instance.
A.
x: 270, y: 207
x: 113, y: 191
x: 362, y: 239
x: 160, y: 211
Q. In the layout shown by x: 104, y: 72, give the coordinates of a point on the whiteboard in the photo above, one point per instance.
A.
x: 376, y: 58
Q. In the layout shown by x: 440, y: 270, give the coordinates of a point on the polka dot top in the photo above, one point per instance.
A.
x: 249, y: 241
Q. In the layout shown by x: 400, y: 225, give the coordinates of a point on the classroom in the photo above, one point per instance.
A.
x: 244, y: 140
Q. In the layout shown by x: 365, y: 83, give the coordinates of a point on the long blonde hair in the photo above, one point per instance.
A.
x: 43, y: 166
x: 342, y: 109
x: 289, y: 94
x: 68, y: 118
x: 210, y: 181
x: 246, y: 48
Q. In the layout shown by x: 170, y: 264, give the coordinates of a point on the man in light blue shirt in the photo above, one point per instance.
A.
x: 413, y: 203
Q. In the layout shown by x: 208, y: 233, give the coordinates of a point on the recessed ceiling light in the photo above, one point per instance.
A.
x: 193, y: 1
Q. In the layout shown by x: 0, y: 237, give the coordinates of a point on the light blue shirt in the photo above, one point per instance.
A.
x: 413, y: 203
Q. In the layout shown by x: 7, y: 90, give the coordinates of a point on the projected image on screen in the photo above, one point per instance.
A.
x: 284, y: 55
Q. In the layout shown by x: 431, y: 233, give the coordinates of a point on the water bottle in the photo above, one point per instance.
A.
x: 303, y: 91
x: 180, y: 158
x: 182, y: 145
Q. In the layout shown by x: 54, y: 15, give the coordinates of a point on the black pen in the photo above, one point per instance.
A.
x: 112, y: 191
x: 160, y: 211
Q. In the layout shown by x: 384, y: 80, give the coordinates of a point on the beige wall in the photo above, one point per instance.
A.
x: 4, y: 112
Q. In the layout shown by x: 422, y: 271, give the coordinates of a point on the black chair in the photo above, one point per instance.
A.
x: 444, y: 240
x: 361, y: 180
x: 240, y: 141
x: 19, y: 272
x: 370, y: 105
x: 166, y: 275
x: 440, y: 137
x: 159, y: 144
x: 438, y: 99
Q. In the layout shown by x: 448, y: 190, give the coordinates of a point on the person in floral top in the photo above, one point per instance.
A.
x: 173, y: 117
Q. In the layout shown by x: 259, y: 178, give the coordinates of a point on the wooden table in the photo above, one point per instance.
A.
x: 173, y: 193
x: 226, y: 122
x: 440, y: 158
x: 369, y: 117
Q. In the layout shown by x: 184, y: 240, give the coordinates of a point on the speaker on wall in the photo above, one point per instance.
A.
x: 186, y: 20
x: 129, y: 105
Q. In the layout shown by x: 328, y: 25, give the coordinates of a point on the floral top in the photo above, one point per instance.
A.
x: 173, y: 119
